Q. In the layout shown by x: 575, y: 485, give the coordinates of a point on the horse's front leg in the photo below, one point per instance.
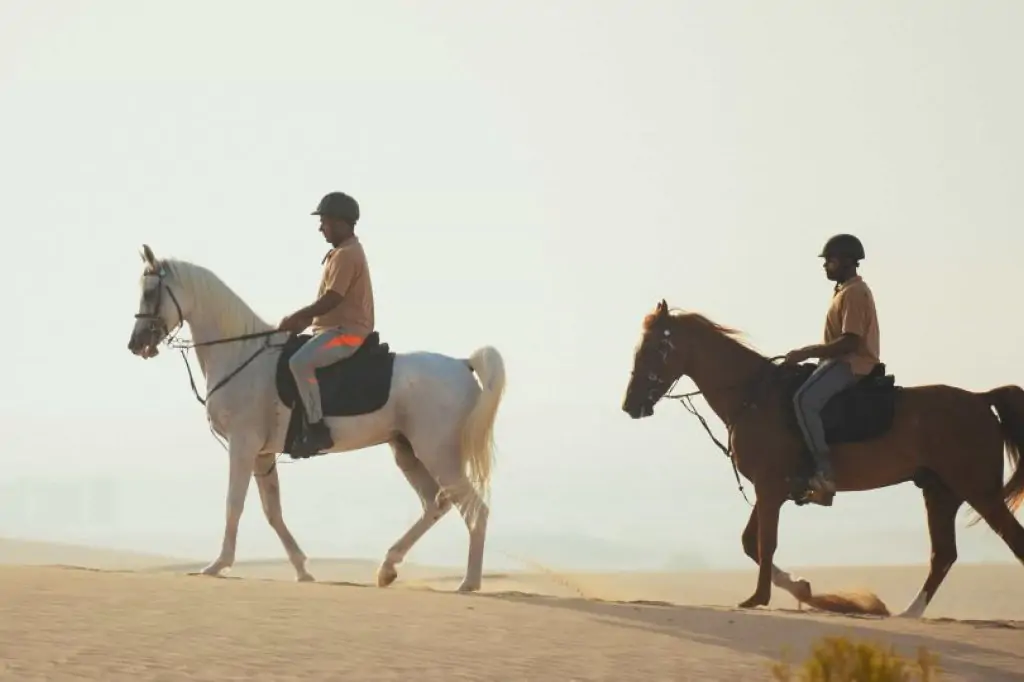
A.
x: 769, y: 504
x: 798, y: 587
x: 269, y: 486
x: 242, y: 459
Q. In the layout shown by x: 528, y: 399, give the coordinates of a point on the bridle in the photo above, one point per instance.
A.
x: 659, y: 387
x: 159, y: 329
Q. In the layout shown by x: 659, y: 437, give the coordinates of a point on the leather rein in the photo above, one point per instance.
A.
x: 170, y: 339
x: 665, y: 346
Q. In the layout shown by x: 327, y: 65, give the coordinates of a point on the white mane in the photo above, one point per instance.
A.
x: 213, y: 300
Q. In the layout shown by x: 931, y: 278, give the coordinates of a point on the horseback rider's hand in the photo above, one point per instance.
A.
x: 294, y: 323
x: 795, y: 357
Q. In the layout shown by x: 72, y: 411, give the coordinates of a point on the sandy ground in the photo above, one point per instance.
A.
x: 69, y: 613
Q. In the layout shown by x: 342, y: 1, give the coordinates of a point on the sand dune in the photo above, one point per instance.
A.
x: 145, y: 619
x: 32, y: 553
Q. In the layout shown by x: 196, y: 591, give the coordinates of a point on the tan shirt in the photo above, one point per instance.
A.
x: 853, y: 312
x: 347, y: 272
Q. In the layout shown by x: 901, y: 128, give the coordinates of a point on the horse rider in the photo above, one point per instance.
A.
x: 341, y: 317
x: 849, y: 352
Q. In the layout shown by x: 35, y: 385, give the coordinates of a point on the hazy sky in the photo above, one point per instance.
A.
x: 533, y: 177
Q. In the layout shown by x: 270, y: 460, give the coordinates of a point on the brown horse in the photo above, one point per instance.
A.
x: 943, y: 438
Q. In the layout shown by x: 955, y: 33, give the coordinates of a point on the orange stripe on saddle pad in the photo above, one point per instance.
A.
x: 344, y: 340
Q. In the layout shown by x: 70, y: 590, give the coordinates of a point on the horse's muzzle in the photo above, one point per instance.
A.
x: 143, y: 348
x: 638, y: 410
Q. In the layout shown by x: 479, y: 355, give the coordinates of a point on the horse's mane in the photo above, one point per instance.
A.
x: 235, y: 316
x: 680, y: 317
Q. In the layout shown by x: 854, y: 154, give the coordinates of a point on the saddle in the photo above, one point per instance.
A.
x: 357, y: 385
x: 864, y: 411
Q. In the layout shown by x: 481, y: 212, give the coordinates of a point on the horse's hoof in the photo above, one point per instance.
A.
x: 802, y: 590
x: 386, y: 575
x: 305, y: 578
x: 467, y: 586
x: 916, y: 609
x: 754, y: 601
x: 214, y: 569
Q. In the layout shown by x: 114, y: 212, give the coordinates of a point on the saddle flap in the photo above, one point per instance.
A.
x: 863, y: 411
x: 355, y: 385
x: 870, y: 383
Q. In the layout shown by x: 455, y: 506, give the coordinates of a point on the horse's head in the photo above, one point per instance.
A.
x: 657, y: 363
x: 160, y: 308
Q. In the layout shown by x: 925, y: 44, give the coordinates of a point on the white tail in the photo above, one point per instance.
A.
x: 477, y: 446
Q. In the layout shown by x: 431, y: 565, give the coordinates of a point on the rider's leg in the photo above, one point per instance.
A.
x: 830, y: 377
x: 325, y: 348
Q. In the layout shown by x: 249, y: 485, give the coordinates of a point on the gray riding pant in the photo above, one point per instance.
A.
x: 325, y: 348
x: 831, y: 377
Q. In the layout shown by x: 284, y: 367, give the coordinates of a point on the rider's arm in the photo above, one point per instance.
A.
x: 324, y: 304
x: 340, y: 273
x: 844, y: 345
x: 855, y: 314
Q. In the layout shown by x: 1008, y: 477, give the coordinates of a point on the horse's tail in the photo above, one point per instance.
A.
x: 1008, y: 402
x: 477, y: 438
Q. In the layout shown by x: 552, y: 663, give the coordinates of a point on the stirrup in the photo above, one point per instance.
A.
x: 818, y: 492
x: 304, y: 448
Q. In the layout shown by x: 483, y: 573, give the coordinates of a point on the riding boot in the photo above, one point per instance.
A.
x: 822, y: 483
x: 315, y: 439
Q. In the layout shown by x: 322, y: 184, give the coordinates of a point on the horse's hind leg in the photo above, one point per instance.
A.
x: 798, y: 587
x: 1000, y: 519
x: 269, y: 485
x: 942, y: 505
x: 441, y: 459
x: 433, y: 509
x: 475, y: 514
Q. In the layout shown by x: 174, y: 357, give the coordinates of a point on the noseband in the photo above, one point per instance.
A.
x: 157, y: 327
x: 658, y: 385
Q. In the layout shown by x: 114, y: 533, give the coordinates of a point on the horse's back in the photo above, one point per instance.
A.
x: 431, y: 368
x: 932, y: 418
x: 942, y: 399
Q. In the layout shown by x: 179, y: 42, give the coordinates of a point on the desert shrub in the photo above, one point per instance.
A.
x: 837, y: 659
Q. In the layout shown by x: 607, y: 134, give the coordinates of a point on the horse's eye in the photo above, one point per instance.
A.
x: 652, y: 376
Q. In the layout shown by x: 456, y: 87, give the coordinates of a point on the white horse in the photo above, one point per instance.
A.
x: 437, y: 419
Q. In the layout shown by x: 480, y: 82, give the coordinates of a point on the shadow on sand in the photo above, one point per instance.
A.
x: 761, y: 632
x: 772, y: 632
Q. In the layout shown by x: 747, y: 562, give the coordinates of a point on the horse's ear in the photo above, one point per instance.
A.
x: 662, y: 308
x: 147, y: 256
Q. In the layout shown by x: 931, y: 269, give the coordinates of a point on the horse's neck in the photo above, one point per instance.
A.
x: 219, y: 359
x: 724, y: 372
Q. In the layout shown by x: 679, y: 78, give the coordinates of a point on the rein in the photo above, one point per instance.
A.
x: 183, y: 346
x: 686, y: 400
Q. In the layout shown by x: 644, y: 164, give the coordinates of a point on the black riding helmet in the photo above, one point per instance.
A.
x: 843, y: 246
x: 338, y: 205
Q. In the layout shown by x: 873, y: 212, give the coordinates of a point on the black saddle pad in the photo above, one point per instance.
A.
x: 357, y: 385
x: 863, y: 411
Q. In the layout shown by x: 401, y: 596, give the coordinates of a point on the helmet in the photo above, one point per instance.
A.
x: 844, y: 246
x: 338, y: 205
